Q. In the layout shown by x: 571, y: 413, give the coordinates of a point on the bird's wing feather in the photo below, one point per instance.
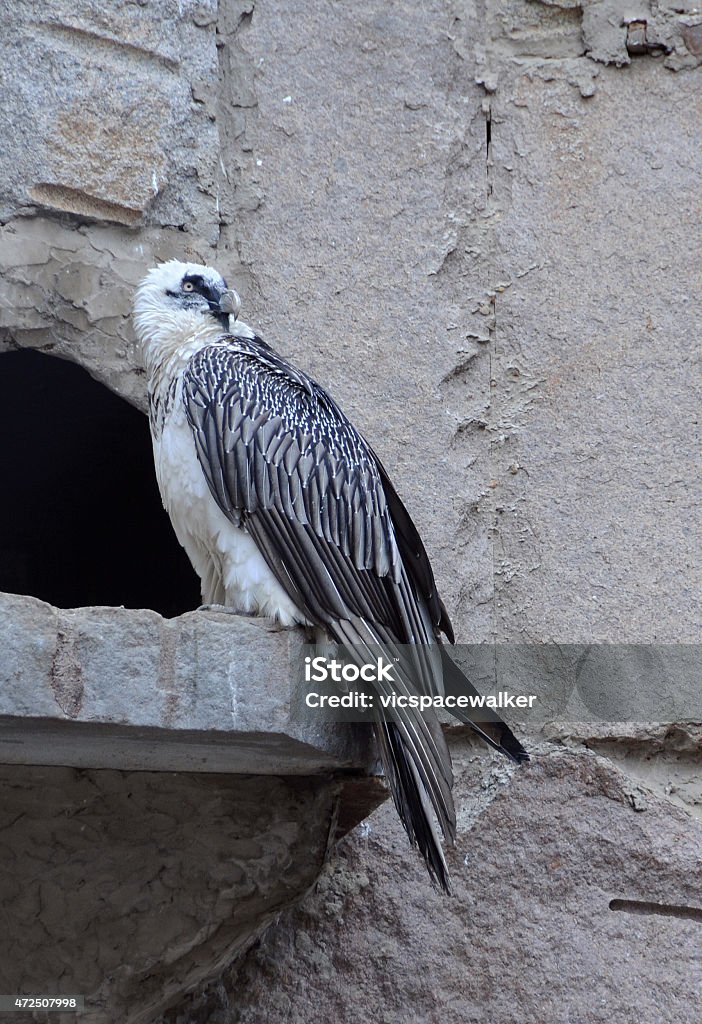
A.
x: 414, y: 555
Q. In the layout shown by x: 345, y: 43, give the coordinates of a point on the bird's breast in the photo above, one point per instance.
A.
x: 212, y: 540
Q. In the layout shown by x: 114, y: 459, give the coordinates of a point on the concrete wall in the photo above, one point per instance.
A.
x: 478, y: 225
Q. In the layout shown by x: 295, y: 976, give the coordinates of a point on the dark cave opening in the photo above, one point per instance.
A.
x: 81, y: 520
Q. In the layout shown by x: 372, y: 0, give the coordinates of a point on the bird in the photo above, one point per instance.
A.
x: 286, y: 511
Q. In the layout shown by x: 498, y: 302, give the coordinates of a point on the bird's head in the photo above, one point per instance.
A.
x: 183, y: 298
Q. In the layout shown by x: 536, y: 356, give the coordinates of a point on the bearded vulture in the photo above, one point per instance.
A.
x: 285, y: 510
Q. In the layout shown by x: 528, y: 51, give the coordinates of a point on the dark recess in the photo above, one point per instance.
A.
x: 81, y: 520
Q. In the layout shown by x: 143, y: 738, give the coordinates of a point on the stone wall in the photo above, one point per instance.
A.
x: 477, y: 224
x: 132, y: 887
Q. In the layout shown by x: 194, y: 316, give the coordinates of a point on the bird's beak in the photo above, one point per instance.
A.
x: 230, y: 303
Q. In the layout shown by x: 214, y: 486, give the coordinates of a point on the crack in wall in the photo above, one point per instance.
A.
x: 488, y: 309
x: 648, y: 907
x: 487, y: 110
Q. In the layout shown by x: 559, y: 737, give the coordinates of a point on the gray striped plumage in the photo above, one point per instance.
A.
x: 282, y: 460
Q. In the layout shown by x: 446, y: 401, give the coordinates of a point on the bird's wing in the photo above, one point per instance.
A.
x: 414, y: 556
x: 275, y: 448
x: 282, y: 459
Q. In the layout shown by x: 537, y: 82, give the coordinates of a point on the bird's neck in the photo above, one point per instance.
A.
x: 169, y: 340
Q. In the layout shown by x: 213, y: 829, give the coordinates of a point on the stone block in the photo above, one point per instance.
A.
x: 99, y: 117
x: 117, y: 688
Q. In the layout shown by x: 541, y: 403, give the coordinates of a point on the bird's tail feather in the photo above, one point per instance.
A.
x: 415, y: 759
x: 485, y: 722
x: 410, y: 798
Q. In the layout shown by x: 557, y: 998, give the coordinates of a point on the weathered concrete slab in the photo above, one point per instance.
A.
x: 117, y: 688
x: 190, y: 811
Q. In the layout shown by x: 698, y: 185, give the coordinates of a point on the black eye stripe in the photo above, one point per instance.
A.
x: 198, y: 285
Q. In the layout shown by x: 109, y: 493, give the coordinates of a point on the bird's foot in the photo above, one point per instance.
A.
x: 226, y: 609
x: 274, y: 624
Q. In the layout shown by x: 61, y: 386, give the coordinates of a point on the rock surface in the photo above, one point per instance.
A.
x: 107, y: 125
x: 570, y: 904
x: 131, y: 887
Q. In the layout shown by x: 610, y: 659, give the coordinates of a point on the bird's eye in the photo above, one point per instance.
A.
x: 188, y: 286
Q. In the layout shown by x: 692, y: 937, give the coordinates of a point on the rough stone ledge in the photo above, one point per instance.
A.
x: 120, y: 688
